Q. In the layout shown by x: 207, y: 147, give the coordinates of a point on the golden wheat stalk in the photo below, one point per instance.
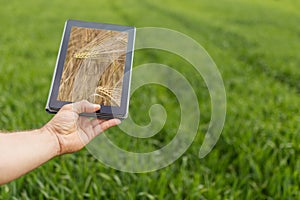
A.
x: 114, y: 94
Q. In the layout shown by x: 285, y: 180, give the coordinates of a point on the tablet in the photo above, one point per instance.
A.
x: 94, y: 63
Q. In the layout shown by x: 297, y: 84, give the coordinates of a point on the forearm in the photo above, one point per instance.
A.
x: 22, y: 152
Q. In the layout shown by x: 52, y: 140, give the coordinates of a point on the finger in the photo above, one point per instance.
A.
x: 105, y: 125
x: 95, y: 122
x: 85, y: 106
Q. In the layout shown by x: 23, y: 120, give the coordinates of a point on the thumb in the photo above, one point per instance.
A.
x: 85, y: 106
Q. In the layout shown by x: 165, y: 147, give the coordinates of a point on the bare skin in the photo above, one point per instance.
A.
x: 66, y: 132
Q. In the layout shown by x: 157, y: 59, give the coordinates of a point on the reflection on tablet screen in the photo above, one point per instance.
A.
x: 94, y: 66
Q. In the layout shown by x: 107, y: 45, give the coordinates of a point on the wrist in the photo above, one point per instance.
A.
x: 53, y: 139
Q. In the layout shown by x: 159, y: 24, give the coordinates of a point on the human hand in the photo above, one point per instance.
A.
x: 72, y: 131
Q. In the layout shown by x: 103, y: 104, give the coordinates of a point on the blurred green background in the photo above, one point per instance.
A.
x: 255, y: 45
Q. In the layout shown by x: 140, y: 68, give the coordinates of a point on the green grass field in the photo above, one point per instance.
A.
x: 255, y: 45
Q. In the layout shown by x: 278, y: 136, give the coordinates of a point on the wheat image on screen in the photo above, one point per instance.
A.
x: 94, y: 66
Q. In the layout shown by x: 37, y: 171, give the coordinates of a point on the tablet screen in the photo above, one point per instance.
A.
x: 94, y: 63
x: 94, y: 66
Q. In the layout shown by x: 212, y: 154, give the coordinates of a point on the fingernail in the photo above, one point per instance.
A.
x: 118, y: 121
x: 97, y: 106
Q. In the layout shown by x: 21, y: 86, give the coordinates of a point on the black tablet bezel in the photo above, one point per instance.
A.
x: 53, y: 105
